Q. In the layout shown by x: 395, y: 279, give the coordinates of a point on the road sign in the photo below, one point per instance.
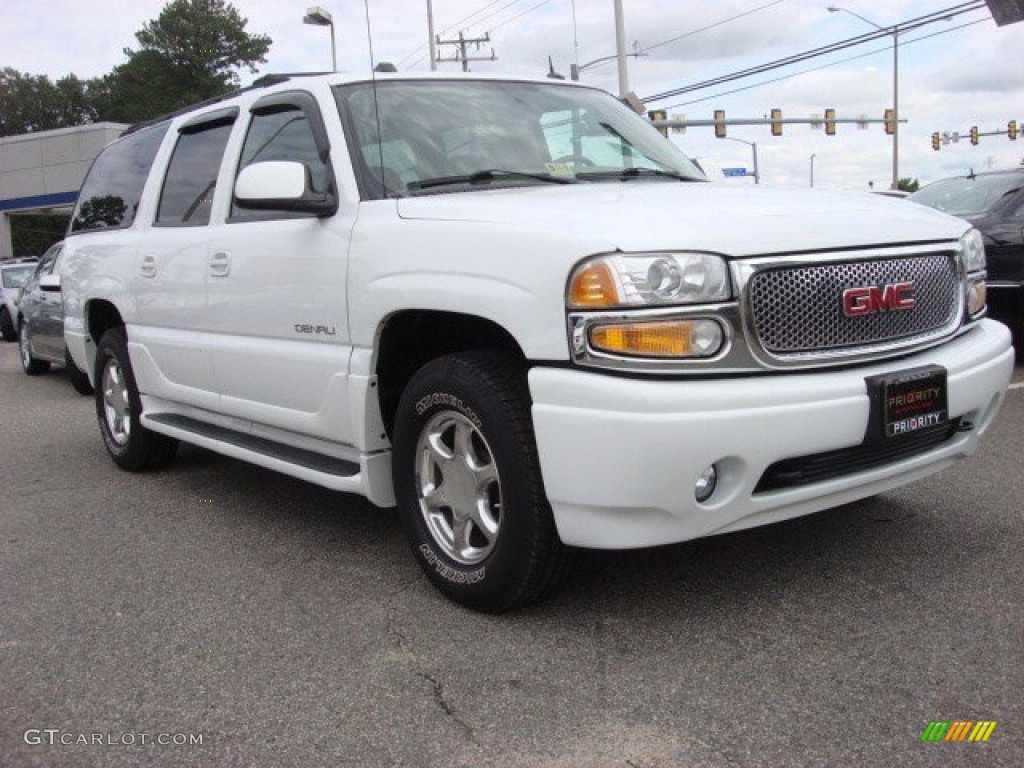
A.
x: 734, y: 172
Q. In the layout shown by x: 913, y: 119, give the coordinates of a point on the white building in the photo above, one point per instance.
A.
x: 40, y: 173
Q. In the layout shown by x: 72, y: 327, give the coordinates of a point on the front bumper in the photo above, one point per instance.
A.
x: 620, y: 456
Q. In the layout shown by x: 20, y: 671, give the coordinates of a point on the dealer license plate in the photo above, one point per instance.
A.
x: 907, y: 402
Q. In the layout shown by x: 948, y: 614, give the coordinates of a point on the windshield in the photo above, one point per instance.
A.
x: 15, y: 277
x: 968, y: 196
x: 438, y: 136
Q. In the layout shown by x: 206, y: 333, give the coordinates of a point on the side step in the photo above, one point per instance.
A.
x: 327, y: 471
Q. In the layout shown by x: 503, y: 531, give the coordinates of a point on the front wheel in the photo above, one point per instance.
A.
x: 79, y: 379
x: 31, y: 365
x: 468, y: 483
x: 118, y: 406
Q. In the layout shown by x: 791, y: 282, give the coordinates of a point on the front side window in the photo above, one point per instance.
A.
x: 112, y: 190
x: 191, y: 180
x: 425, y: 136
x: 283, y: 133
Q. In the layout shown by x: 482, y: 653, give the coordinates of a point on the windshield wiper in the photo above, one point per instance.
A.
x: 634, y: 173
x: 486, y: 177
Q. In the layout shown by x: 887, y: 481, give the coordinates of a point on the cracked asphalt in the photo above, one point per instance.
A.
x: 285, y: 625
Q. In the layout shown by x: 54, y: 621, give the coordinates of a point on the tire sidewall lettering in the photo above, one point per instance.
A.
x: 445, y: 571
x: 447, y: 400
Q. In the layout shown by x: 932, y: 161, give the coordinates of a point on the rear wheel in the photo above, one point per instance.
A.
x: 467, y: 479
x: 7, y: 325
x: 31, y: 365
x: 118, y: 407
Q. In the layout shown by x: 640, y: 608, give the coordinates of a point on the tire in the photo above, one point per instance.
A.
x: 79, y: 380
x: 118, y: 407
x: 7, y: 325
x: 468, y: 484
x: 29, y: 364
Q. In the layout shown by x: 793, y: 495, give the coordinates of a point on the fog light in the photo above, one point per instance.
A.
x: 706, y: 484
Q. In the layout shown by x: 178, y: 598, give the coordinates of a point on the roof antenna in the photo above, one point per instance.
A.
x: 376, y: 104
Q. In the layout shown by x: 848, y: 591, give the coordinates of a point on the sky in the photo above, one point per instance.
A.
x: 966, y: 71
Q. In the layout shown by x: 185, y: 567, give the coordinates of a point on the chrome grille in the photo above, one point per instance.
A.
x: 798, y: 310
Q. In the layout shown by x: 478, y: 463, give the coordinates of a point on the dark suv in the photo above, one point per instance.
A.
x: 994, y: 204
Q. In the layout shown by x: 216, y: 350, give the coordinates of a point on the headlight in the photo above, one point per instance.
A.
x: 973, y: 249
x: 649, y: 279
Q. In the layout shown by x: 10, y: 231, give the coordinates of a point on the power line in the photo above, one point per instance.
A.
x: 645, y: 49
x: 519, y: 15
x: 450, y: 27
x: 823, y: 66
x: 712, y: 26
x: 822, y: 50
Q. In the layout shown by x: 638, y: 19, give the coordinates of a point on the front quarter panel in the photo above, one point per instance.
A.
x: 508, y: 274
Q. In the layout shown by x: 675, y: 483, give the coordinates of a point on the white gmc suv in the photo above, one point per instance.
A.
x: 516, y: 311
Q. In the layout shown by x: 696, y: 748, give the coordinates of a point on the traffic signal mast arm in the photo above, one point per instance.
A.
x: 973, y: 134
x: 676, y: 122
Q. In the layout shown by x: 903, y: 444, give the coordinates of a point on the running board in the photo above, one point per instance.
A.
x: 327, y: 471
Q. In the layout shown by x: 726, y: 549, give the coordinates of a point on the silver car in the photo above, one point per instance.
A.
x: 13, y: 274
x: 40, y: 323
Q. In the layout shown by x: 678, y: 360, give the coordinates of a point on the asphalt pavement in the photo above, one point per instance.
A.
x: 217, y: 614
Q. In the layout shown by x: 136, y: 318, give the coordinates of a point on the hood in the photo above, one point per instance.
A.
x: 734, y: 222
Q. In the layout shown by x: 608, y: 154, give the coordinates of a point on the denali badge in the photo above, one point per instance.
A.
x: 871, y: 299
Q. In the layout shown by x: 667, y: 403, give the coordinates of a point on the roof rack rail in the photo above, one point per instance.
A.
x: 263, y: 82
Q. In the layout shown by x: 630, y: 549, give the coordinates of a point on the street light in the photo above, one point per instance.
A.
x: 318, y: 17
x: 895, y: 32
x: 753, y: 146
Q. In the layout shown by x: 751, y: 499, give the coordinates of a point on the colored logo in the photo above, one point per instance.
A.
x: 958, y: 730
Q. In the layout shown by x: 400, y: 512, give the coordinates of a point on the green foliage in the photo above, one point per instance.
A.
x: 192, y: 51
x: 31, y: 235
x: 908, y: 185
x: 35, y: 103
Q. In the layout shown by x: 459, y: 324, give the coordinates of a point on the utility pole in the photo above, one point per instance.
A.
x: 463, y: 43
x: 430, y: 35
x: 620, y: 48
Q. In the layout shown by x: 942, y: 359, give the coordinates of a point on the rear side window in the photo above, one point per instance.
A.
x: 111, y: 192
x: 192, y: 174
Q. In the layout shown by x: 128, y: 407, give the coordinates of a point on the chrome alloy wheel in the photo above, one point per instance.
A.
x: 23, y: 347
x: 116, y: 406
x: 458, y: 487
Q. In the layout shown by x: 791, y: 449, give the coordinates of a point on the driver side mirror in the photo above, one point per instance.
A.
x: 279, y: 185
x: 49, y: 282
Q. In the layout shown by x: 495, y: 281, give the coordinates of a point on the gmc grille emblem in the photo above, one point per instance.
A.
x: 875, y: 298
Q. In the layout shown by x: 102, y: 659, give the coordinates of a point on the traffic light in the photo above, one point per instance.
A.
x: 719, y: 126
x: 776, y: 122
x: 936, y: 141
x: 890, y: 122
x: 658, y: 114
x: 1011, y: 130
x: 830, y: 122
x: 974, y: 134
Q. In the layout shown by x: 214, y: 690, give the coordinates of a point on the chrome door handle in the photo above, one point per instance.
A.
x: 148, y: 267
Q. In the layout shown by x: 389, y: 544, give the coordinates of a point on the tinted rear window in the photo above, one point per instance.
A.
x: 111, y: 192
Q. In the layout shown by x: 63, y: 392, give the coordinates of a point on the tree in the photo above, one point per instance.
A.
x: 34, y: 103
x: 189, y: 53
x: 908, y: 185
